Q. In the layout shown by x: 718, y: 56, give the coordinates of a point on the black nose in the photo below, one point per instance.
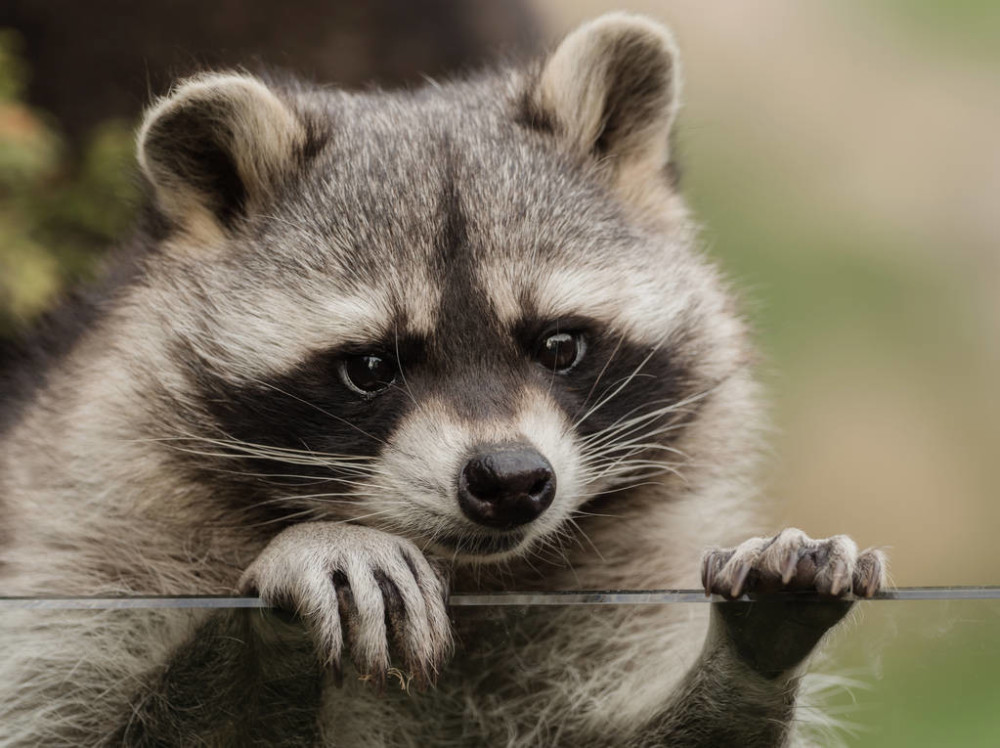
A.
x: 506, y: 486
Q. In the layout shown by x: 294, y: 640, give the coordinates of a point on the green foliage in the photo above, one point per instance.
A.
x: 59, y: 209
x: 13, y: 72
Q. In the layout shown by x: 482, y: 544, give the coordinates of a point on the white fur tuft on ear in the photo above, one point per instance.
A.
x: 215, y: 147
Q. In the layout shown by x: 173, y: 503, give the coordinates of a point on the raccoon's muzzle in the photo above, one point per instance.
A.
x: 505, y: 486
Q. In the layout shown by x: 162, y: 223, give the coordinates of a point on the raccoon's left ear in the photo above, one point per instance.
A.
x: 217, y: 147
x: 611, y: 92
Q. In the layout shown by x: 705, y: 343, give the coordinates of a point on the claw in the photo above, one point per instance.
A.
x: 868, y: 590
x: 708, y: 575
x: 403, y: 678
x: 868, y: 574
x: 839, y: 579
x: 789, y: 567
x: 740, y: 580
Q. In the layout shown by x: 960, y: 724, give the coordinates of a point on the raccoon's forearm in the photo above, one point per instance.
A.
x: 244, y: 678
x: 725, y: 701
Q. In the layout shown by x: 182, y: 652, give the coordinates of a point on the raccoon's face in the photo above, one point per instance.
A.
x: 458, y: 315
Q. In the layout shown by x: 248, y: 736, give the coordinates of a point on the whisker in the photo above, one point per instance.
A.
x: 284, y: 518
x: 402, y: 374
x: 584, y: 513
x: 680, y: 406
x: 630, y: 487
x: 230, y: 441
x: 279, y: 478
x: 593, y: 387
x: 603, y: 401
x: 315, y: 407
x: 627, y: 464
x: 586, y: 537
x: 346, y: 498
x: 265, y: 457
x: 643, y: 440
x: 628, y: 428
x: 317, y: 511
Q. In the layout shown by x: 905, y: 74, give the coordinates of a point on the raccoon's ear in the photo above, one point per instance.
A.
x: 216, y: 148
x: 611, y: 91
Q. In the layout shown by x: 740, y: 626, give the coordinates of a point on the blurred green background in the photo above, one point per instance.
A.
x: 845, y: 160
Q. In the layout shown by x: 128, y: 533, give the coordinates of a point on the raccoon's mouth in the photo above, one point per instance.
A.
x: 480, y: 544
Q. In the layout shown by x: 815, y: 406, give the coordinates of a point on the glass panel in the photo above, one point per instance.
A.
x: 919, y: 670
x: 926, y: 673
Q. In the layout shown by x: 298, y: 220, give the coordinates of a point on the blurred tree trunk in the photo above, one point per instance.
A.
x: 100, y: 59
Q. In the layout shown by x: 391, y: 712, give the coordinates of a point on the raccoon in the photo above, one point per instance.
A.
x: 370, y: 348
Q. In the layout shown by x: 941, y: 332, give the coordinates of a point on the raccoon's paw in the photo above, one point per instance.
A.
x: 773, y: 635
x: 792, y: 560
x: 361, y: 589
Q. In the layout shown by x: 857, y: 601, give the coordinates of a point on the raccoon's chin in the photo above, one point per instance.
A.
x: 480, y: 547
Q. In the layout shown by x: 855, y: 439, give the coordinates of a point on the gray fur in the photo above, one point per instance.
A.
x: 292, y: 221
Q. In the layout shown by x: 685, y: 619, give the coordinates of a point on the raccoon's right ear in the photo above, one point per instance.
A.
x: 217, y: 147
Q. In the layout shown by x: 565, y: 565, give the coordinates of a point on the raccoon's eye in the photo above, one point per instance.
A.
x: 561, y: 351
x: 367, y: 374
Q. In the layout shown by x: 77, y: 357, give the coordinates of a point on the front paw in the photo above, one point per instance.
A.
x: 775, y: 634
x: 790, y: 561
x: 359, y: 589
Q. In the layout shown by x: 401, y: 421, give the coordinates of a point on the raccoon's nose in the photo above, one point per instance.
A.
x: 506, y: 486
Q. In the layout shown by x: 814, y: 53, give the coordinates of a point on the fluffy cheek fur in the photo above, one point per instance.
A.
x: 415, y: 491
